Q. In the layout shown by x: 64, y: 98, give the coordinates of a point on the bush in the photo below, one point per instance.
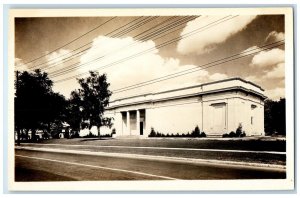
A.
x: 239, y: 130
x: 243, y: 134
x: 232, y: 134
x: 152, y: 133
x: 113, y: 131
x: 225, y: 135
x: 202, y: 134
x: 196, y: 132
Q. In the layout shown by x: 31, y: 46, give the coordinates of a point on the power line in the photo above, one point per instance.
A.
x: 80, y: 52
x: 86, y: 43
x: 77, y: 64
x: 146, y: 51
x: 164, y: 29
x: 208, y: 65
x: 71, y: 41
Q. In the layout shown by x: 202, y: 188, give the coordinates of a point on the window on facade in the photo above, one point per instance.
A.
x: 252, y: 120
x: 253, y: 106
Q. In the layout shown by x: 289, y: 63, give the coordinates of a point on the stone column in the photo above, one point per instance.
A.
x: 137, y: 122
x: 128, y: 123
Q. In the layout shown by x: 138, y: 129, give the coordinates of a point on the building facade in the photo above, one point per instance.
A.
x: 216, y: 108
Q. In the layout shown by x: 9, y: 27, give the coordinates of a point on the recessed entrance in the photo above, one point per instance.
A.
x: 141, y: 128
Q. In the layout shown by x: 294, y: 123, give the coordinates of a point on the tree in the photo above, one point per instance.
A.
x: 74, y: 117
x: 275, y: 117
x: 196, y: 132
x: 36, y: 105
x: 94, y: 95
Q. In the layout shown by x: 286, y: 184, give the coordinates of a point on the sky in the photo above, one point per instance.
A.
x: 132, y: 50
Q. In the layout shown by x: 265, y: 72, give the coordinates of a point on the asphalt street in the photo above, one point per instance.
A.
x: 49, y: 166
x: 247, y: 156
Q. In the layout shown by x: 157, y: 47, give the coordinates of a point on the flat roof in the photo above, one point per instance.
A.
x: 190, y: 87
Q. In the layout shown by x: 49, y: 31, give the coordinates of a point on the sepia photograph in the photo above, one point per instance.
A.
x: 151, y: 99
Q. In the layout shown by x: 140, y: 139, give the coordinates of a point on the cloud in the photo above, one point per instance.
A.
x: 19, y: 65
x: 207, y: 40
x: 275, y: 94
x: 250, y: 50
x: 277, y: 72
x: 136, y: 70
x: 274, y: 37
x: 139, y: 69
x: 19, y: 62
x: 55, y: 59
x: 217, y: 76
x: 254, y: 79
x: 268, y: 58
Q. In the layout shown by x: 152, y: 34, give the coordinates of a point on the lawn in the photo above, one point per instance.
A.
x: 254, y: 144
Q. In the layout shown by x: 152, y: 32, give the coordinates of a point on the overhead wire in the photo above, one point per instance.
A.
x: 205, y: 66
x: 66, y: 44
x: 224, y: 19
x: 64, y: 60
x: 35, y: 66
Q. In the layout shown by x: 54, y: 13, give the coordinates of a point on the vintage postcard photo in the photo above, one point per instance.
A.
x: 151, y: 99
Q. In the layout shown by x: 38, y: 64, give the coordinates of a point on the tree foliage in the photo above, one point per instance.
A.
x: 275, y: 117
x: 36, y: 105
x: 94, y: 97
x: 74, y: 117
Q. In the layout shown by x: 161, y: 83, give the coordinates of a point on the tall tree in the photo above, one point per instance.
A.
x: 94, y: 94
x: 36, y: 105
x: 74, y: 117
x: 275, y: 117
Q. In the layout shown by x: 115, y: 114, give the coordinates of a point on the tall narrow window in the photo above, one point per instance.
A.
x: 252, y: 120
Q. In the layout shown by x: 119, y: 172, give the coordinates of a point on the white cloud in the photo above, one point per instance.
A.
x: 254, y: 79
x: 276, y: 72
x: 217, y: 76
x: 140, y: 69
x: 275, y: 94
x: 274, y: 37
x: 205, y: 41
x: 250, y: 50
x: 268, y: 58
x: 55, y: 59
x: 132, y: 71
x: 19, y: 65
x: 18, y: 62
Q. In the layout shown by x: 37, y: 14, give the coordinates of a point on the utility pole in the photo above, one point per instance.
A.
x: 17, y: 87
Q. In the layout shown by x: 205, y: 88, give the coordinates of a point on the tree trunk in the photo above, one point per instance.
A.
x: 18, y: 138
x: 33, y: 138
x: 26, y: 131
x: 48, y: 128
x: 98, y: 128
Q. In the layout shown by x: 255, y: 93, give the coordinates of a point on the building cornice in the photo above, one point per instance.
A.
x: 190, y: 87
x: 234, y: 88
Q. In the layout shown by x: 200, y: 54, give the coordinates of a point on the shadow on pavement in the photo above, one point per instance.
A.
x: 95, y: 139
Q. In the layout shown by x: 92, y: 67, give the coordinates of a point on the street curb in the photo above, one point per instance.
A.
x: 160, y: 158
x: 164, y: 148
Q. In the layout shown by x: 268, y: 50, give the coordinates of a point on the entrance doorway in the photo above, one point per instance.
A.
x: 141, y: 128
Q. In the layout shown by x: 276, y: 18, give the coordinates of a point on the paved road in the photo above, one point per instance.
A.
x: 254, y: 156
x: 47, y: 166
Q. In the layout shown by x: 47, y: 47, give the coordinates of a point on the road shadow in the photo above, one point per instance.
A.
x: 95, y: 139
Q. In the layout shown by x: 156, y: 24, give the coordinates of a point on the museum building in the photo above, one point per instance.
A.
x: 215, y: 107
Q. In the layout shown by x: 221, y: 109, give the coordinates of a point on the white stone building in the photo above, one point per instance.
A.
x: 216, y: 107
